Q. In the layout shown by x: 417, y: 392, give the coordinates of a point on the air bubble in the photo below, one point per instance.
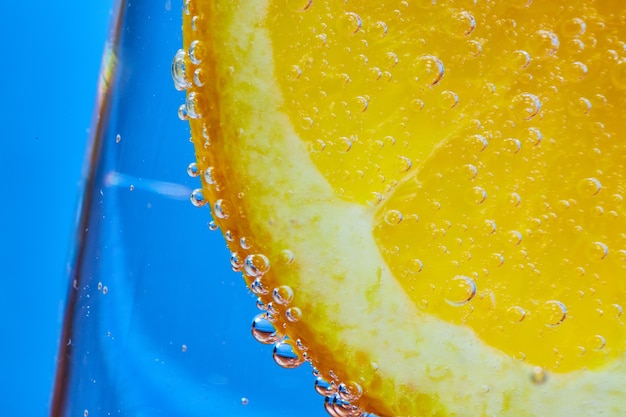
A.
x: 182, y: 112
x: 553, y: 313
x: 179, y: 75
x: 380, y: 29
x: 349, y: 391
x: 286, y: 257
x: 236, y: 262
x: 544, y: 43
x: 197, y: 52
x: 193, y: 105
x: 264, y: 331
x: 283, y: 294
x: 192, y: 170
x: 478, y: 195
x: 460, y: 291
x: 298, y: 5
x: 477, y: 143
x: 596, y: 342
x: 222, y: 209
x: 496, y: 259
x: 118, y: 138
x: 256, y: 265
x: 516, y: 314
x: 589, y: 187
x: 209, y: 176
x: 392, y: 59
x: 393, y: 217
x: 199, y: 77
x: 514, y: 237
x: 449, y: 98
x: 293, y: 314
x: 286, y: 355
x: 573, y: 27
x: 515, y: 199
x: 428, y: 70
x: 359, y: 104
x: 350, y: 22
x: 462, y: 24
x: 597, y: 251
x: 415, y: 266
x: 470, y: 171
x: 580, y: 106
x: 519, y: 59
x: 575, y: 71
x: 323, y: 387
x: 538, y: 375
x: 258, y: 288
x: 197, y: 198
x: 525, y: 106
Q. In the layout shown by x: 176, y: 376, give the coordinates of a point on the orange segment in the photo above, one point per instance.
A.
x: 427, y: 198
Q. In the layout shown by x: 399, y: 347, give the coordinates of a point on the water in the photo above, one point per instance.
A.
x: 157, y: 324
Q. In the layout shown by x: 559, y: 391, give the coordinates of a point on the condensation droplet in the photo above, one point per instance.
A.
x: 460, y: 291
x: 256, y: 265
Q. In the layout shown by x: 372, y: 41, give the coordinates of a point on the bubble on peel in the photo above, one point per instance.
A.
x: 324, y: 387
x: 197, y: 52
x: 179, y: 71
x: 477, y: 195
x: 212, y: 226
x: 428, y: 70
x: 282, y: 294
x: 293, y: 314
x: 553, y: 313
x: 477, y: 143
x: 193, y: 104
x: 258, y: 288
x: 286, y: 355
x: 461, y: 289
x: 236, y: 262
x: 222, y: 209
x: 298, y: 5
x: 525, y: 106
x: 414, y: 266
x: 199, y: 77
x: 588, y: 187
x: 538, y: 375
x: 286, y: 257
x: 197, y: 198
x: 349, y: 391
x: 182, y: 112
x: 596, y: 342
x: 209, y: 175
x: 516, y: 314
x: 264, y: 331
x: 580, y: 106
x: 192, y: 170
x: 393, y: 217
x: 350, y: 22
x: 256, y: 265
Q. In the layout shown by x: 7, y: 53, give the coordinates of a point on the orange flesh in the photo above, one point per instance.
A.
x: 488, y: 140
x: 539, y: 88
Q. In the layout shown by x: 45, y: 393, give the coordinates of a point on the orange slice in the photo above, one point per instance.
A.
x: 427, y: 197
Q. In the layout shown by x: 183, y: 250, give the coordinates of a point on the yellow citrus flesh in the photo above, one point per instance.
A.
x: 430, y: 195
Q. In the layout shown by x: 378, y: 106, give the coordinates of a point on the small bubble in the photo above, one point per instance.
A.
x: 392, y: 59
x: 515, y: 314
x: 393, y: 217
x: 118, y: 138
x: 515, y: 199
x: 193, y: 105
x: 580, y: 106
x: 258, y: 288
x: 519, y: 59
x: 460, y: 291
x: 222, y: 209
x: 350, y: 22
x: 298, y: 5
x: 306, y: 123
x: 236, y: 262
x: 264, y: 331
x: 283, y: 294
x: 475, y: 48
x: 553, y: 313
x: 86, y: 413
x: 589, y: 187
x: 573, y: 27
x: 489, y: 226
x: 294, y: 72
x: 99, y: 286
x: 199, y: 77
x: 596, y: 342
x: 449, y: 98
x: 514, y: 237
x: 597, y: 251
x: 477, y: 143
x: 192, y: 170
x: 380, y: 29
x: 544, y: 43
x: 470, y: 171
x: 244, y: 401
x: 179, y: 71
x: 534, y: 136
x: 496, y: 259
x: 477, y: 195
x: 415, y: 266
x: 575, y: 71
x: 525, y: 106
x: 197, y: 198
x: 428, y: 70
x: 323, y: 387
x: 462, y: 24
x: 183, y: 348
x: 293, y: 314
x: 286, y: 257
x: 286, y: 356
x: 617, y: 310
x: 350, y: 391
x: 317, y: 146
x: 197, y: 52
x: 182, y: 112
x: 404, y: 164
x: 212, y: 226
x: 359, y: 104
x: 538, y: 375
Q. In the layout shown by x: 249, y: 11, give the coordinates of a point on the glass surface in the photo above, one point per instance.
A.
x: 156, y: 323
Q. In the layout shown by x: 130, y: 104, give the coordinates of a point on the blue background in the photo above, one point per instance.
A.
x: 51, y: 52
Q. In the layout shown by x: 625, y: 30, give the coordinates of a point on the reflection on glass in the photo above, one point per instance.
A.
x: 156, y: 322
